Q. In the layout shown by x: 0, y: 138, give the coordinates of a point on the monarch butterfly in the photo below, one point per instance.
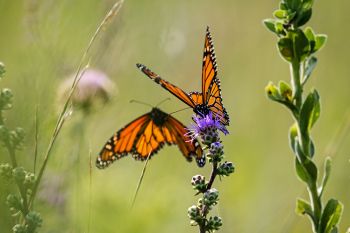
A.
x: 209, y: 100
x: 145, y: 135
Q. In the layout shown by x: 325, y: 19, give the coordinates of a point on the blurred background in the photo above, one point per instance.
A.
x: 41, y: 44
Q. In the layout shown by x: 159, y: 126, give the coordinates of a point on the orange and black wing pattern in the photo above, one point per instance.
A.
x: 122, y: 142
x: 178, y: 92
x: 210, y: 99
x: 211, y: 91
x: 147, y: 134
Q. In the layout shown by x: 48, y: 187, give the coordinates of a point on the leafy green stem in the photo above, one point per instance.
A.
x: 20, y: 186
x: 295, y: 69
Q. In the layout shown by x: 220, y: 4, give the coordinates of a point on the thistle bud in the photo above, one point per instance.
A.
x: 198, y: 183
x: 18, y: 228
x: 2, y: 69
x: 33, y: 220
x: 214, y: 223
x: 211, y: 197
x: 14, y: 202
x: 6, y: 171
x: 194, y: 213
x: 19, y: 174
x: 226, y: 169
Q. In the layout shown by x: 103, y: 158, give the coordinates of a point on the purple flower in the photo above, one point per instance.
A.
x: 206, y: 127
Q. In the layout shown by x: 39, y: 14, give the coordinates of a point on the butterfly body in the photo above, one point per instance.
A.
x: 146, y: 135
x: 209, y: 100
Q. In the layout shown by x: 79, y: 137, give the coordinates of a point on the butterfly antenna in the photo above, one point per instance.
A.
x: 140, y: 181
x: 140, y: 102
x: 179, y: 110
x: 162, y: 101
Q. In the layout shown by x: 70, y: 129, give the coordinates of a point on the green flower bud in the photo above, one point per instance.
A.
x: 194, y: 213
x: 226, y: 169
x: 216, y: 152
x: 198, y: 183
x: 29, y: 180
x: 17, y: 137
x: 19, y: 229
x: 6, y: 171
x: 285, y: 91
x: 211, y: 197
x: 14, y: 202
x: 19, y: 174
x: 214, y: 223
x: 33, y: 221
x: 6, y: 99
x: 4, y: 133
x: 2, y: 69
x: 272, y: 92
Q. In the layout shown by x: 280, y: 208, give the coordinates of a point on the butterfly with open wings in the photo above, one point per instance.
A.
x: 209, y: 100
x: 145, y: 135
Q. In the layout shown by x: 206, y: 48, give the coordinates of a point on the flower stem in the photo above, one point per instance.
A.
x: 296, y: 84
x: 21, y: 189
x: 202, y: 228
x: 213, y: 175
x: 316, y: 205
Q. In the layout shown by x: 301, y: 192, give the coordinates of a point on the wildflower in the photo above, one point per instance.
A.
x: 194, y: 213
x: 214, y: 223
x: 211, y: 197
x: 93, y: 85
x: 198, y: 183
x: 206, y: 127
x: 226, y: 169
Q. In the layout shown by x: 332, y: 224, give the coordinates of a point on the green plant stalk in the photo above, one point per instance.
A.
x: 63, y: 115
x: 296, y: 70
x: 21, y: 189
x: 210, y: 183
x: 12, y: 154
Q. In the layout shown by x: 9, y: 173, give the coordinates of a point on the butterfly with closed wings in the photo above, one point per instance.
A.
x: 145, y: 135
x: 209, y: 100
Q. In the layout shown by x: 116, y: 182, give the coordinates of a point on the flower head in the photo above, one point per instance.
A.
x: 206, y: 127
x: 94, y: 86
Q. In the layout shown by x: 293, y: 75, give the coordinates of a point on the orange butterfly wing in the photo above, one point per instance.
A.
x: 189, y: 148
x: 211, y: 91
x: 178, y: 92
x: 210, y: 99
x: 147, y: 134
x: 122, y: 142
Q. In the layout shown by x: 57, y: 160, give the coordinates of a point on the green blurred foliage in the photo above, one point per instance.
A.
x: 42, y: 42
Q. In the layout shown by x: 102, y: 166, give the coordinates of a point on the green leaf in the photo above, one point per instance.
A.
x: 326, y: 174
x: 301, y: 45
x: 310, y: 65
x: 303, y: 207
x: 293, y: 136
x: 331, y: 216
x: 280, y: 14
x: 283, y: 6
x: 280, y: 28
x: 303, y: 17
x: 270, y: 24
x: 306, y: 170
x: 285, y: 46
x: 285, y: 91
x: 309, y: 33
x: 310, y: 112
x: 293, y: 4
x: 321, y: 40
x: 307, y: 4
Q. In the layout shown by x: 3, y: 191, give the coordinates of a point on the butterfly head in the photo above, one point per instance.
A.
x: 201, y: 110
